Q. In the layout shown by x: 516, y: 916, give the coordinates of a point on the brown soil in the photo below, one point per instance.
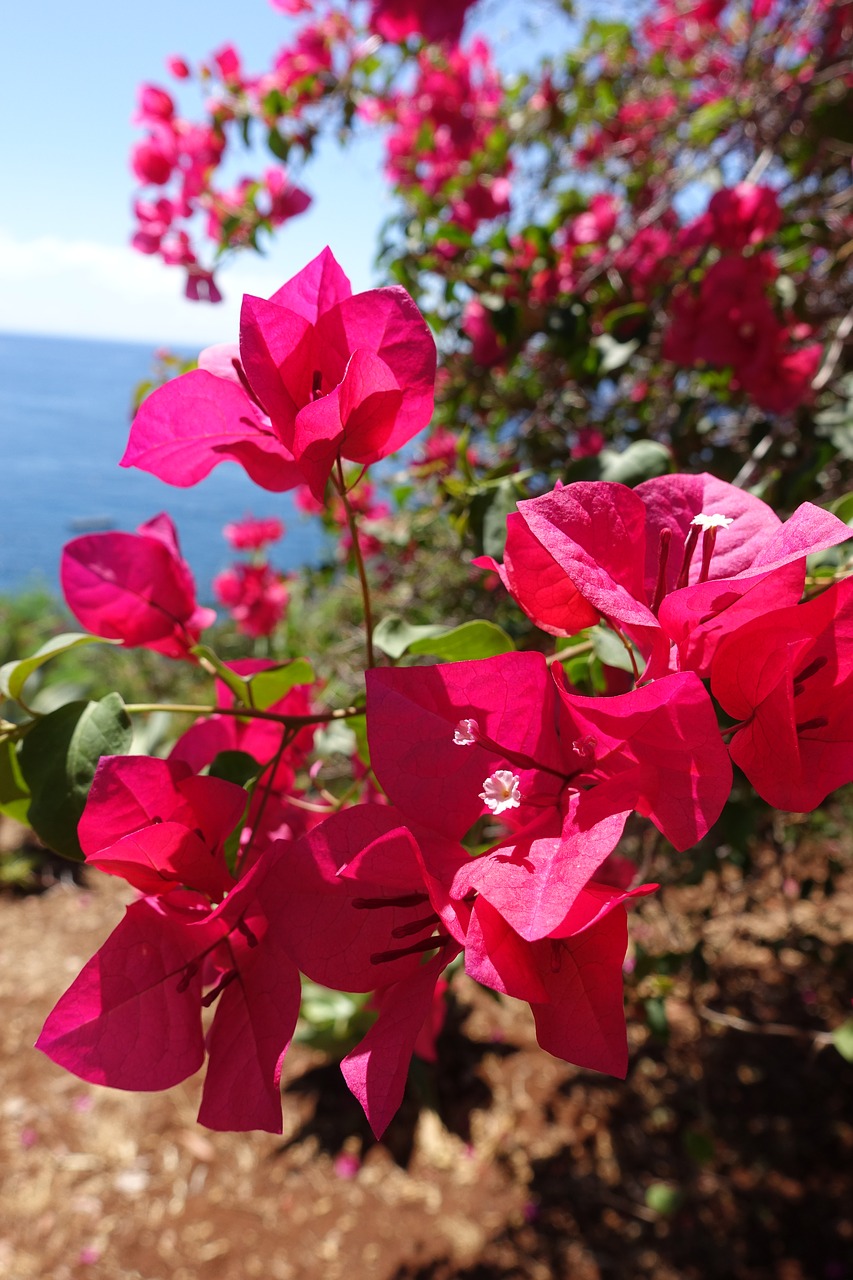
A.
x: 726, y: 1155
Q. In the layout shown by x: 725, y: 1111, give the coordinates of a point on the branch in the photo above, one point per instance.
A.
x: 818, y: 1038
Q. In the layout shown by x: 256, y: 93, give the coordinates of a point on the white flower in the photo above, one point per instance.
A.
x: 466, y: 733
x: 500, y: 791
x: 712, y: 522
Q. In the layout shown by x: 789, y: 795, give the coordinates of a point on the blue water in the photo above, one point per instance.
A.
x: 64, y: 420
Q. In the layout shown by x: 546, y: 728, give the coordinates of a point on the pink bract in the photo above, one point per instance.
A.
x: 321, y: 374
x: 397, y: 19
x: 638, y: 559
x: 135, y: 587
x: 788, y: 676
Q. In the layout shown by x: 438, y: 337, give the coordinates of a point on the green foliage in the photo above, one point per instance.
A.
x: 58, y: 758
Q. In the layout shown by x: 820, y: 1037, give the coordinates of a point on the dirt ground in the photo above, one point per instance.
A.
x: 726, y: 1155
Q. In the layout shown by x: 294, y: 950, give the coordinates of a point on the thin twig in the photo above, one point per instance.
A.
x: 359, y: 563
x: 764, y: 1028
x: 290, y: 722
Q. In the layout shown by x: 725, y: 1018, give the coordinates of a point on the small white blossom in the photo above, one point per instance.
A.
x: 466, y: 733
x: 712, y: 522
x: 500, y: 791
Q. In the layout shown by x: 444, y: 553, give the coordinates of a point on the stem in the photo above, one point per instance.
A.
x: 763, y: 1028
x: 359, y: 561
x: 628, y: 649
x: 571, y: 651
x: 290, y: 722
x: 287, y: 737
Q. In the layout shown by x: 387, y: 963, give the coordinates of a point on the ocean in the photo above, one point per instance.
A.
x: 64, y: 420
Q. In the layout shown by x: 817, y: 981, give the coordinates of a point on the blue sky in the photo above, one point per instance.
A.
x: 67, y: 95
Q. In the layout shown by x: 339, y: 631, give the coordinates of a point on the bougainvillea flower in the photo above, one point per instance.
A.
x: 259, y: 738
x: 573, y: 982
x: 680, y: 559
x: 788, y: 676
x: 397, y: 19
x: 159, y: 826
x: 438, y: 733
x: 271, y: 815
x: 320, y: 374
x: 357, y: 882
x: 132, y: 1018
x: 255, y: 595
x: 135, y: 587
x: 252, y: 532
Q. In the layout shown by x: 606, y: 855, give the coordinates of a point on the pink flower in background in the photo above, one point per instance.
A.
x: 228, y: 63
x: 178, y: 67
x: 155, y: 103
x: 397, y: 19
x: 135, y: 587
x: 250, y: 533
x: 255, y: 595
x: 154, y: 159
x: 487, y: 349
x: 743, y: 215
x: 201, y: 286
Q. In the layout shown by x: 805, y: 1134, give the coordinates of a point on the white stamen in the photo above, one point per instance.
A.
x: 466, y: 733
x: 712, y: 522
x: 500, y: 791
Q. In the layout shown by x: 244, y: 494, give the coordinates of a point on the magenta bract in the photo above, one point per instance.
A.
x: 683, y: 559
x: 789, y: 677
x: 135, y: 587
x: 321, y: 374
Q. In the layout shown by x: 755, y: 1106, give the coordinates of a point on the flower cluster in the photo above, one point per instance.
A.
x: 254, y: 593
x: 486, y: 830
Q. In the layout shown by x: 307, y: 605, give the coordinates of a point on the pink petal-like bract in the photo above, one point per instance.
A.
x: 789, y: 677
x: 250, y: 1036
x: 135, y: 587
x: 187, y: 427
x: 377, y: 1068
x: 356, y: 878
x: 132, y: 1019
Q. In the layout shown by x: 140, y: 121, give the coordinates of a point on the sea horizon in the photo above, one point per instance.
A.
x: 65, y: 411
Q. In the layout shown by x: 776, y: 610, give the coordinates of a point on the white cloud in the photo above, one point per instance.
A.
x: 82, y: 288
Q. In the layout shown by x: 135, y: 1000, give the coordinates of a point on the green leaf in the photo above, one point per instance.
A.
x: 229, y: 678
x: 709, y: 120
x: 393, y: 635
x: 656, y: 1018
x: 663, y: 1198
x: 842, y: 1038
x: 14, y: 675
x: 494, y: 521
x: 239, y: 767
x: 14, y: 793
x: 235, y: 766
x: 278, y: 145
x: 267, y: 687
x: 699, y: 1146
x: 58, y: 760
x: 843, y: 508
x: 261, y: 689
x: 642, y: 460
x: 478, y: 639
x: 609, y: 649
